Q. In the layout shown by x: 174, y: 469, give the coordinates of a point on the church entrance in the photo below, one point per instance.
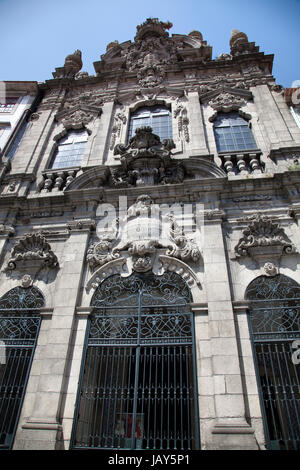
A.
x: 138, y: 380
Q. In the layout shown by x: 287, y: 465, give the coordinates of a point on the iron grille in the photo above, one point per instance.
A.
x: 274, y: 325
x: 19, y: 326
x: 137, y: 387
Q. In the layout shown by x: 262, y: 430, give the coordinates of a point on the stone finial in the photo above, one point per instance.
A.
x: 73, y: 64
x: 239, y: 44
x: 237, y: 35
x: 111, y: 45
x: 196, y: 34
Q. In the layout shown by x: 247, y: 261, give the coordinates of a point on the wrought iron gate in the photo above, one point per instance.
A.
x: 19, y: 327
x: 138, y: 384
x: 274, y: 325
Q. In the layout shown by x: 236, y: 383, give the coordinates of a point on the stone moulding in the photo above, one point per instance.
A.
x: 263, y: 238
x: 175, y: 265
x: 32, y: 250
x: 114, y: 266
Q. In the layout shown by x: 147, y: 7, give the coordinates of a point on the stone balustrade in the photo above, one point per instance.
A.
x: 55, y: 180
x: 242, y: 163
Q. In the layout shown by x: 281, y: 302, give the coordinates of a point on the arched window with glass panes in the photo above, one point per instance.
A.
x: 70, y: 149
x: 158, y: 117
x: 232, y: 133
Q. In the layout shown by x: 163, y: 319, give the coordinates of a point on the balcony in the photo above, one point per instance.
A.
x: 242, y: 163
x: 55, y: 180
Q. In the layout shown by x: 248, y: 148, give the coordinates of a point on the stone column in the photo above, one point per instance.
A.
x: 230, y: 429
x: 43, y: 429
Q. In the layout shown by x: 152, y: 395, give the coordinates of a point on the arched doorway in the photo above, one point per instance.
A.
x: 138, y: 380
x: 19, y: 327
x: 274, y: 325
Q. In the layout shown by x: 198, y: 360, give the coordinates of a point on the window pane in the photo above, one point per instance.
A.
x: 157, y: 117
x: 70, y: 150
x: 232, y: 133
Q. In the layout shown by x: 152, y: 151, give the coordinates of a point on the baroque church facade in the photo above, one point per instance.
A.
x: 149, y: 253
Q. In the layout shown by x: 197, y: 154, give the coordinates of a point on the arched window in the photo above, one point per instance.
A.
x: 19, y: 327
x: 275, y: 325
x: 70, y: 150
x: 158, y: 117
x: 138, y: 382
x: 232, y: 133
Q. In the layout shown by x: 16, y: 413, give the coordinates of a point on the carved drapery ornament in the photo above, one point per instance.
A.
x: 32, y: 249
x: 180, y: 114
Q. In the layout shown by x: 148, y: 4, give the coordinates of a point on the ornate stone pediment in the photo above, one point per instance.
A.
x: 78, y: 116
x: 146, y: 160
x: 79, y: 109
x: 32, y: 250
x: 226, y: 102
x: 264, y: 239
x: 152, y: 52
x: 141, y: 238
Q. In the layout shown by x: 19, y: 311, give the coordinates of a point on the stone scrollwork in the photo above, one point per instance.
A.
x: 226, y: 102
x: 102, y: 252
x: 32, y: 249
x: 182, y: 247
x: 263, y: 237
x: 146, y: 160
x: 141, y: 239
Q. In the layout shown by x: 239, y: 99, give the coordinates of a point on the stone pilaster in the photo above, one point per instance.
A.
x: 198, y: 140
x: 41, y: 427
x: 220, y: 351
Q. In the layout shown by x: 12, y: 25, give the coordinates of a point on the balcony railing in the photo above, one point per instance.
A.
x: 57, y: 180
x: 242, y: 163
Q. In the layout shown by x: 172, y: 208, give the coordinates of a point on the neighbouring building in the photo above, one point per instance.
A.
x: 150, y: 251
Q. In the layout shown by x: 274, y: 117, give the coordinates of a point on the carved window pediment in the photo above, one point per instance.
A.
x: 32, y: 251
x: 263, y: 240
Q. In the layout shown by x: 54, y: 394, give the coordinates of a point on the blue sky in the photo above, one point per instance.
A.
x: 36, y: 35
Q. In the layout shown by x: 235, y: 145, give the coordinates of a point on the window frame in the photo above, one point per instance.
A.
x: 63, y: 141
x: 165, y: 110
x: 238, y: 139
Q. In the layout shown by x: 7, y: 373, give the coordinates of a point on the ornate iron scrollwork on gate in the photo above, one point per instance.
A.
x: 19, y: 326
x: 275, y: 324
x: 138, y: 383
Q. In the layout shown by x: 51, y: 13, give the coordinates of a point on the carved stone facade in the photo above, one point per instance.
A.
x: 160, y: 204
